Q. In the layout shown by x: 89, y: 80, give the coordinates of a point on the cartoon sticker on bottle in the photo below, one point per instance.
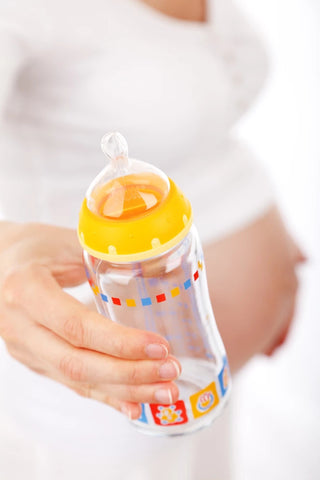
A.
x: 204, y: 401
x: 166, y: 415
x: 224, y: 377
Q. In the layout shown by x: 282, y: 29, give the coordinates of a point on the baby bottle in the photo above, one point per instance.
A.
x: 145, y: 265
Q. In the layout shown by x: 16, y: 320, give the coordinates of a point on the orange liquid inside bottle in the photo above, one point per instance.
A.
x: 130, y: 196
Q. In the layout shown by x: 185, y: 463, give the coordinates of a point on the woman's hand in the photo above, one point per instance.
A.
x: 253, y: 285
x: 55, y: 335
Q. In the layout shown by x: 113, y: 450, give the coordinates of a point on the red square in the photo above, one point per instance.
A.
x: 116, y: 300
x: 196, y: 275
x: 166, y: 415
x: 161, y: 297
x: 90, y: 282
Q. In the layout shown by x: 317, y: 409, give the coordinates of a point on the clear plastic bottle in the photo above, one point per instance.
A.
x: 145, y: 265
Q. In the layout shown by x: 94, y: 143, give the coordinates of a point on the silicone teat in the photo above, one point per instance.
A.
x: 126, y: 188
x: 115, y: 147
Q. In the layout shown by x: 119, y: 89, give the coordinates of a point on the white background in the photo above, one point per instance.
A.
x: 277, y: 428
x: 277, y: 401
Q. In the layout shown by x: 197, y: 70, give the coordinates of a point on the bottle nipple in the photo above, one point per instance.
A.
x: 126, y: 188
x: 115, y: 147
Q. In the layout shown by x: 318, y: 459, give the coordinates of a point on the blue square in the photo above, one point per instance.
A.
x: 146, y: 301
x: 187, y: 284
x: 104, y: 297
x: 143, y: 416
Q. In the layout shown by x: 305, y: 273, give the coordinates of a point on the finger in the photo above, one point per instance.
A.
x: 131, y: 410
x: 120, y: 402
x: 33, y: 289
x: 56, y: 247
x: 87, y: 367
x: 163, y: 393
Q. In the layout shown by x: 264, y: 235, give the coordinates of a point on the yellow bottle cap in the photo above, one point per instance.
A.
x: 132, y: 210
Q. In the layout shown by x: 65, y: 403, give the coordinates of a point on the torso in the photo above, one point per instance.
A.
x: 193, y: 10
x: 174, y: 89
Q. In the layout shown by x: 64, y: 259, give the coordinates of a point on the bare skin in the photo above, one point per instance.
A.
x: 192, y: 10
x: 253, y: 285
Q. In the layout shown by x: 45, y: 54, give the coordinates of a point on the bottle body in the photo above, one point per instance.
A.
x: 168, y: 294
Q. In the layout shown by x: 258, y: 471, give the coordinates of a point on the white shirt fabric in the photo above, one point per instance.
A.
x: 69, y: 72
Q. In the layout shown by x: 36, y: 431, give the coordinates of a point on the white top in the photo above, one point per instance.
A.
x: 69, y: 72
x: 173, y: 88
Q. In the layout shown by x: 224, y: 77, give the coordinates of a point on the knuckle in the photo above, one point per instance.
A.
x: 134, y: 376
x: 73, y: 331
x: 72, y: 368
x: 6, y: 328
x: 106, y: 399
x: 120, y: 348
x: 85, y: 390
x: 18, y: 281
x: 11, y: 287
x: 132, y: 394
x: 14, y: 352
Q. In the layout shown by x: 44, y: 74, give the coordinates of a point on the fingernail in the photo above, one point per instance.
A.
x: 169, y: 370
x: 126, y: 411
x: 163, y: 395
x: 156, y: 351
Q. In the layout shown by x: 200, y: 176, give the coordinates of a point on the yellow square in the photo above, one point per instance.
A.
x: 95, y: 290
x: 204, y: 401
x: 175, y: 291
x: 131, y: 302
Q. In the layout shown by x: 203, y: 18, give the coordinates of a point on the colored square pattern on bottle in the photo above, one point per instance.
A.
x: 161, y: 298
x: 175, y: 292
x: 146, y: 301
x: 204, y: 401
x: 168, y: 415
x: 116, y: 300
x: 224, y: 377
x: 131, y: 302
x: 95, y: 290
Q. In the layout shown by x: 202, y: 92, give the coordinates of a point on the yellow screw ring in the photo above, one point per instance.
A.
x: 139, y: 238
